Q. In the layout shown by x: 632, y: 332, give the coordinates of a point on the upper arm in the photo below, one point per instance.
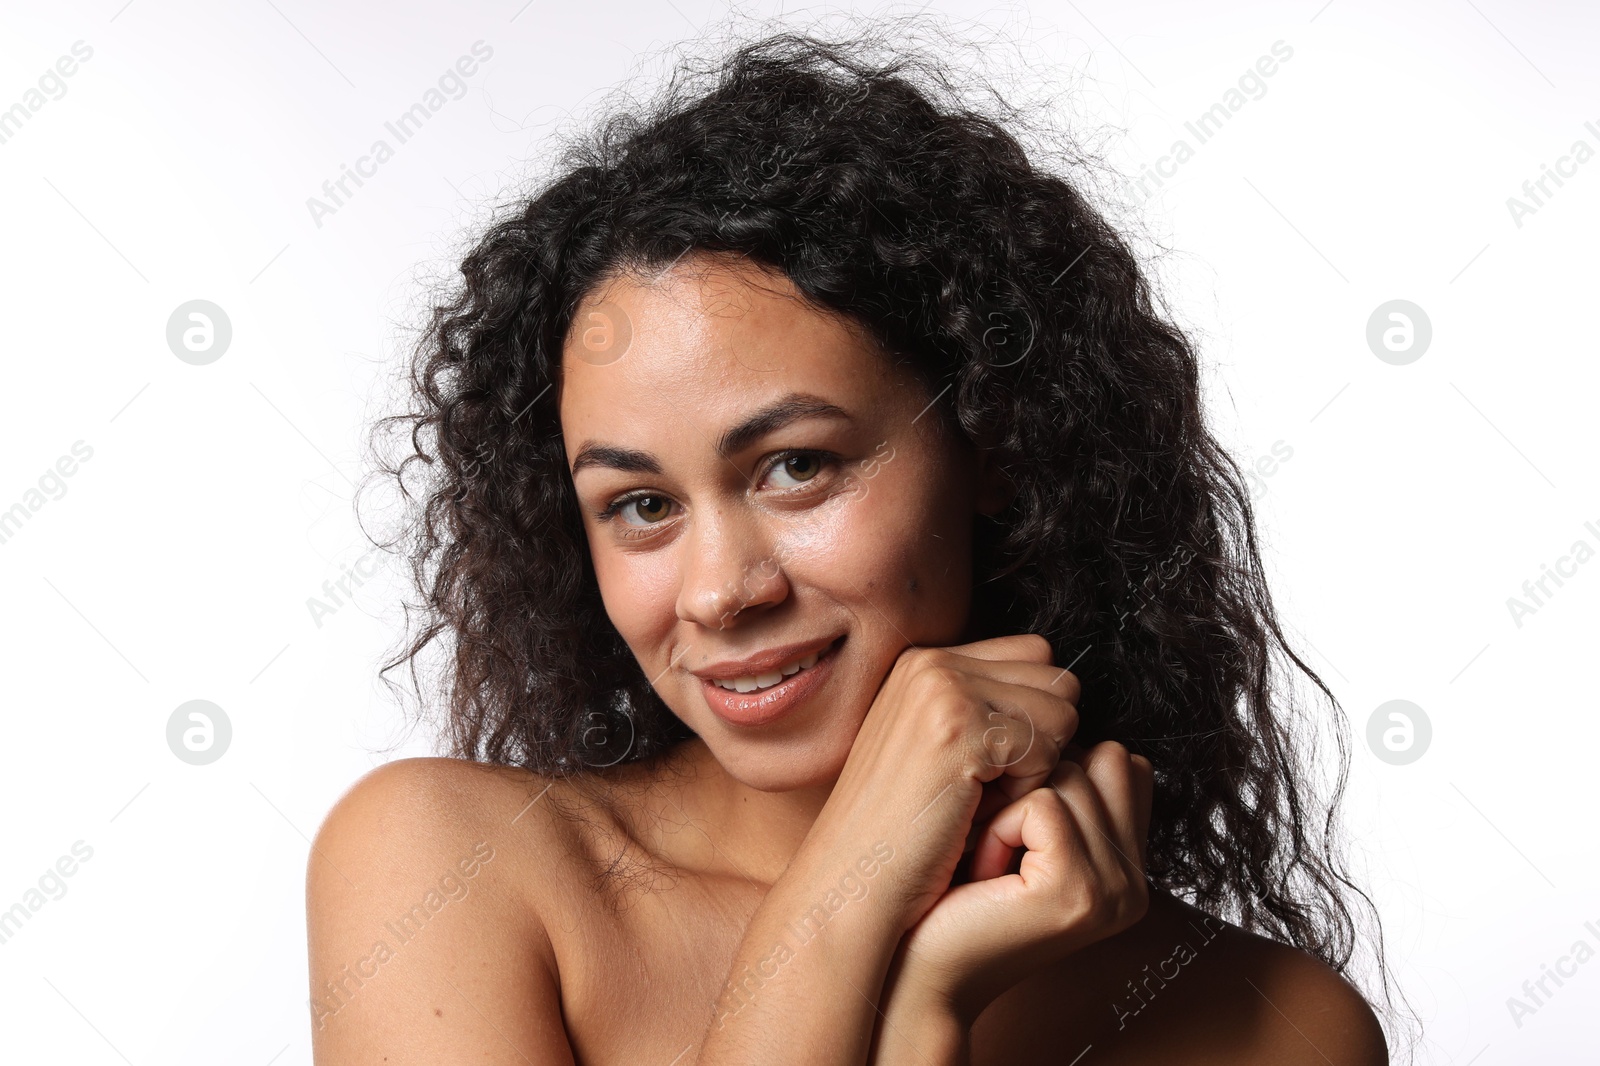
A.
x: 424, y: 946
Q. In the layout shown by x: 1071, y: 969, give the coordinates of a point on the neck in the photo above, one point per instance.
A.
x: 742, y: 831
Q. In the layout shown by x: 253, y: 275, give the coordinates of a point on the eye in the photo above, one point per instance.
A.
x: 642, y: 510
x: 650, y: 508
x: 802, y: 466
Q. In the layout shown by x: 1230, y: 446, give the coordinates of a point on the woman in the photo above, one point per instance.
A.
x: 860, y: 642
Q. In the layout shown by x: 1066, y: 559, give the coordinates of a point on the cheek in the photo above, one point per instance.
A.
x: 853, y: 543
x: 902, y: 547
x: 638, y: 592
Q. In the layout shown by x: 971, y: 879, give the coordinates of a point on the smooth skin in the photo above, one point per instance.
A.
x: 661, y: 926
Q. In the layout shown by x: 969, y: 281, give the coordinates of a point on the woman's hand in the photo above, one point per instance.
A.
x: 1080, y: 880
x: 945, y: 722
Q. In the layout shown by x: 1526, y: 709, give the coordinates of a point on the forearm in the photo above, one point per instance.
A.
x: 921, y: 1035
x: 805, y: 980
x: 919, y: 1024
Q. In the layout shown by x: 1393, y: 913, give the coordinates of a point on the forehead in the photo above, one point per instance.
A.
x: 703, y: 341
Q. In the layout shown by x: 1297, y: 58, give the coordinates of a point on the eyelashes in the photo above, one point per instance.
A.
x: 608, y: 515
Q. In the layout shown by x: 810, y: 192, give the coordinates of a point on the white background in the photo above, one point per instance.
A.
x: 179, y: 562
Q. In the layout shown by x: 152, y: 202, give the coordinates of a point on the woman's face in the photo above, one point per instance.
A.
x: 772, y: 481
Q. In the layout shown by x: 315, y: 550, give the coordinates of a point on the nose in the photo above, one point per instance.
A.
x: 729, y: 566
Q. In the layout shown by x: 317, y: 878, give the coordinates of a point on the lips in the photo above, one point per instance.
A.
x: 757, y: 682
x: 766, y: 705
x: 763, y: 662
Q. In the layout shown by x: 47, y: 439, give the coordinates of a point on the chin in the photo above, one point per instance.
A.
x: 805, y: 761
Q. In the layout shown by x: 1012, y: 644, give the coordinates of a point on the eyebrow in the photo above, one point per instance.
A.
x: 769, y: 419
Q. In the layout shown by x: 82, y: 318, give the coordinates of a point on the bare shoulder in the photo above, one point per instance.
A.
x: 1184, y: 986
x: 425, y: 897
x: 1273, y: 1003
x: 420, y: 799
x: 431, y: 816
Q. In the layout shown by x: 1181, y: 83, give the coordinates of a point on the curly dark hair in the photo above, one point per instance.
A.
x: 1129, y: 544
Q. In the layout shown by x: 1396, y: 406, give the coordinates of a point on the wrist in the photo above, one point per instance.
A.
x: 919, y: 1030
x: 923, y: 987
x: 918, y: 991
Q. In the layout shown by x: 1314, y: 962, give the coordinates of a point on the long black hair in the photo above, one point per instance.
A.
x: 855, y: 169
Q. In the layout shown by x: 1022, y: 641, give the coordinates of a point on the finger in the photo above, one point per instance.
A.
x: 1038, y: 822
x: 991, y: 856
x: 1109, y: 767
x: 1021, y: 658
x: 1088, y: 810
x: 1144, y: 777
x: 1027, y: 729
x: 1030, y: 647
x: 1063, y: 684
x: 1022, y: 703
x: 990, y: 802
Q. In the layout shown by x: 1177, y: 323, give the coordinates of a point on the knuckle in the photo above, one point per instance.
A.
x: 1139, y: 894
x: 912, y: 657
x: 1108, y: 764
x: 1039, y: 645
x: 1112, y: 748
x: 946, y: 723
x: 933, y: 690
x: 1107, y: 757
x: 924, y: 662
x: 1134, y: 904
x: 1069, y: 722
x: 1046, y: 799
x: 947, y: 713
x: 1064, y: 772
x: 1090, y: 907
x: 999, y: 744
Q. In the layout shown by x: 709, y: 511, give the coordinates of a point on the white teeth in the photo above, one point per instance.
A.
x: 767, y: 680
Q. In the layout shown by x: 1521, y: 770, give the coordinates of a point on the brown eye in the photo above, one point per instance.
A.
x: 651, y: 508
x: 802, y: 467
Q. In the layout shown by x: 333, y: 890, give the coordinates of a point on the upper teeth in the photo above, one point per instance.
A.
x: 767, y: 680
